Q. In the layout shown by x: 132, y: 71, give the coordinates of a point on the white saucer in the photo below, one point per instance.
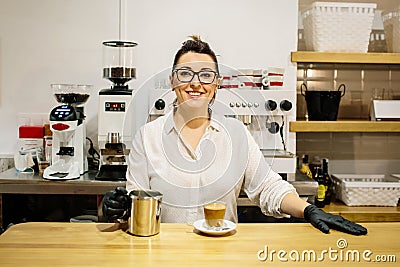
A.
x: 226, y: 227
x: 59, y: 178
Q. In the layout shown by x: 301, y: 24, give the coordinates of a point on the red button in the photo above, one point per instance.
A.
x: 60, y: 126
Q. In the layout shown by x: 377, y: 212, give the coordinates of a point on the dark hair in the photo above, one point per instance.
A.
x: 196, y: 45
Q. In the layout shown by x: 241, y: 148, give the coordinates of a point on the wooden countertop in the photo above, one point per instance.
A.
x: 103, y: 244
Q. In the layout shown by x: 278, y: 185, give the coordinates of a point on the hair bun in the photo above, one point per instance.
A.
x: 195, y: 37
x: 196, y: 45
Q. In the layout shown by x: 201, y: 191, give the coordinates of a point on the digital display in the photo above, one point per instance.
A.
x: 63, y: 108
x: 62, y: 112
x: 115, y: 106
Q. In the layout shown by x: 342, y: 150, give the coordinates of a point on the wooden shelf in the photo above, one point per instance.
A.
x: 355, y: 58
x: 364, y: 213
x: 345, y: 126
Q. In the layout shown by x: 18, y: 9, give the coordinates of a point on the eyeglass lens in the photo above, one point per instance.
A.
x: 204, y: 76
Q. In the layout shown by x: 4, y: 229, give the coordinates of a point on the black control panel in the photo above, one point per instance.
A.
x: 114, y: 106
x: 63, y: 113
x: 66, y: 151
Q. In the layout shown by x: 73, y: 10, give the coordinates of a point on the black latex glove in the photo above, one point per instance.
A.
x: 323, y: 221
x: 115, y: 204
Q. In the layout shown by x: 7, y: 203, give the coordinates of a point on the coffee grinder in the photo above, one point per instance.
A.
x: 114, y: 132
x: 67, y: 122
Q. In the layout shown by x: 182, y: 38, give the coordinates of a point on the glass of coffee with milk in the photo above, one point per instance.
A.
x: 214, y: 214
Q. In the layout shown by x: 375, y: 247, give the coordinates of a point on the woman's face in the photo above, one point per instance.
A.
x: 195, y: 93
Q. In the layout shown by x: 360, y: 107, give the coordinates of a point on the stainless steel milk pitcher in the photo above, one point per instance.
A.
x: 145, y: 214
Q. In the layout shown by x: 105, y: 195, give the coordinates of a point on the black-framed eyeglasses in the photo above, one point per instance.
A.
x: 187, y: 75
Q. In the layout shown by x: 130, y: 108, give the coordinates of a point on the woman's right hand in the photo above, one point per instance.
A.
x: 115, y: 204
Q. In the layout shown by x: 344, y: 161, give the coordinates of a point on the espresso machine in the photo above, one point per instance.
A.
x: 114, y: 126
x: 67, y: 122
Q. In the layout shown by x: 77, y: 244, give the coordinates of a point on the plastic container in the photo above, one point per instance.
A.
x: 338, y: 27
x: 323, y: 105
x: 391, y: 23
x: 367, y: 190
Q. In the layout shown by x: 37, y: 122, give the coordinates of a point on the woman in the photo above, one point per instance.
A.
x: 193, y: 156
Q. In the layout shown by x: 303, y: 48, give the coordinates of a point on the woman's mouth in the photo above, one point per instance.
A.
x: 194, y: 94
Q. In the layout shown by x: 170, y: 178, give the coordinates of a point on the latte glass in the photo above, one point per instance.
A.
x: 214, y: 214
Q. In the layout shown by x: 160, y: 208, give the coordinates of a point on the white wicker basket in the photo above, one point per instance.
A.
x: 338, y: 27
x: 391, y: 23
x: 367, y: 190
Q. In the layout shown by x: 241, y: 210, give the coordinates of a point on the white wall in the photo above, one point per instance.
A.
x: 255, y: 33
x: 49, y: 41
x: 59, y: 41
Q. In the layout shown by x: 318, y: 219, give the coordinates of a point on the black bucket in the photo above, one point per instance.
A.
x: 323, y: 105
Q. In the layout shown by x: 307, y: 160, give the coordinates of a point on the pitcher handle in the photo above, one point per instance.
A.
x: 344, y: 89
x: 127, y: 214
x: 158, y: 212
x: 301, y: 89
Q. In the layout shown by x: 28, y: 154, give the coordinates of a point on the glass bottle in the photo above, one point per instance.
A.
x: 320, y: 198
x: 328, y: 182
x: 305, y: 168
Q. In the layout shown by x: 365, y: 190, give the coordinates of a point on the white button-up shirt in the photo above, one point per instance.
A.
x: 226, y: 160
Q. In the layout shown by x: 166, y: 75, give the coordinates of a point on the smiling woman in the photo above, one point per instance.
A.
x: 195, y: 75
x: 195, y: 58
x: 194, y: 156
x: 194, y: 82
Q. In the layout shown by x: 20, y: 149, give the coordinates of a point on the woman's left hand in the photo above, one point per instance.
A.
x: 323, y: 221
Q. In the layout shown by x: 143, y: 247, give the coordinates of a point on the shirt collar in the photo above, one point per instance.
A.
x: 169, y: 122
x: 215, y: 123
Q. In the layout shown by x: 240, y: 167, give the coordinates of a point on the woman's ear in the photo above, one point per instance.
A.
x: 170, y: 81
x: 219, y: 81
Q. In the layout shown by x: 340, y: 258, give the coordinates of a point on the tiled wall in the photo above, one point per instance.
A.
x: 350, y: 146
x: 361, y: 82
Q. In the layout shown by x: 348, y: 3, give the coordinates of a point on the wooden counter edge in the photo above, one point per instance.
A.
x: 345, y: 126
x: 345, y: 57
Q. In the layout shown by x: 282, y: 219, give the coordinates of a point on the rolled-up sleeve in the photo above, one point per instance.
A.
x: 262, y: 185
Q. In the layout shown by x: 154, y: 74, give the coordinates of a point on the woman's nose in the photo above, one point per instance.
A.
x: 195, y: 83
x: 196, y: 79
